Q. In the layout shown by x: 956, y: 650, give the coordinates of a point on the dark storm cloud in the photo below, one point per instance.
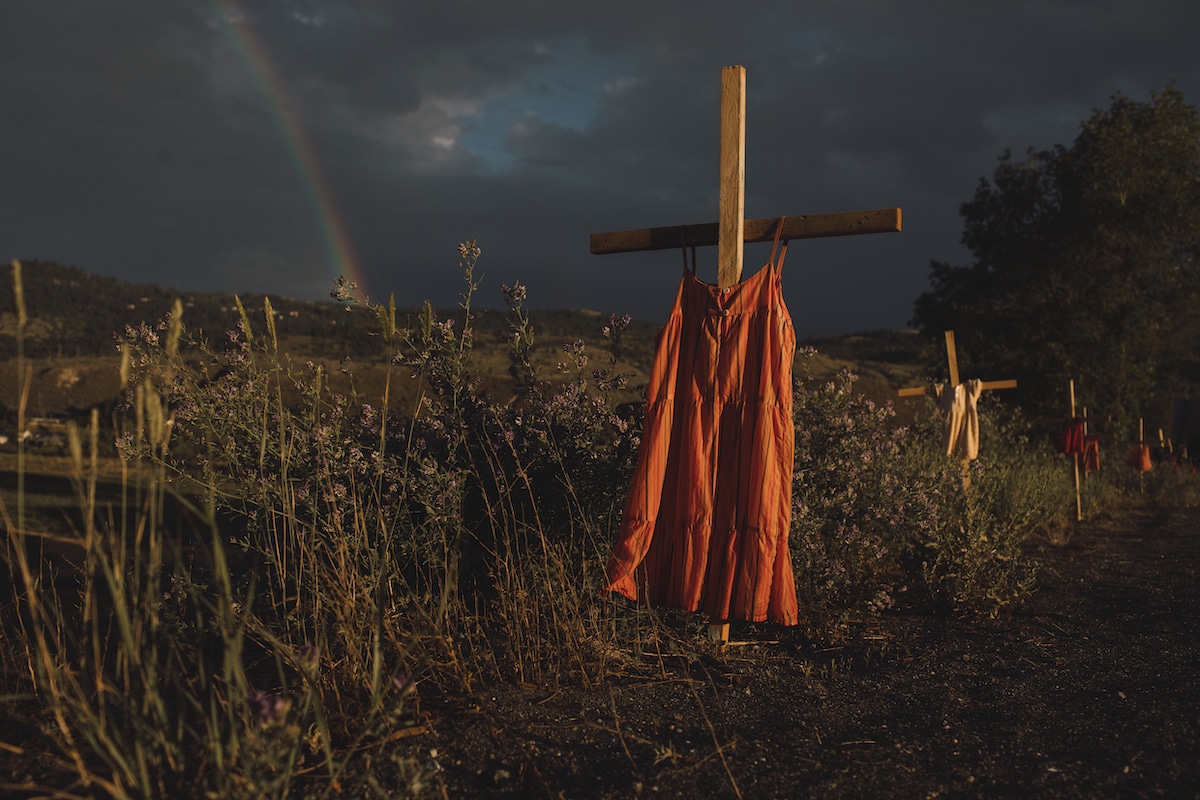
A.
x: 139, y: 141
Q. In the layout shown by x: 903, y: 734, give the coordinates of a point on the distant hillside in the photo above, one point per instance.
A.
x: 73, y: 316
x: 75, y: 313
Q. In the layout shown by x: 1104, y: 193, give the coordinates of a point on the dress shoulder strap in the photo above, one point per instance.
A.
x: 684, y: 250
x: 777, y: 265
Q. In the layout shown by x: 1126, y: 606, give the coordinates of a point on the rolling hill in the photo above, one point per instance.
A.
x: 74, y: 318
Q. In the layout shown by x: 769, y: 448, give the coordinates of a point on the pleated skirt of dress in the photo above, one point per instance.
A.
x: 705, y: 523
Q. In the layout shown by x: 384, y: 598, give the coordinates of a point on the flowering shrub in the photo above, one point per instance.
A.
x: 879, y: 508
x: 860, y: 500
x: 568, y: 437
x: 973, y: 558
x: 875, y: 506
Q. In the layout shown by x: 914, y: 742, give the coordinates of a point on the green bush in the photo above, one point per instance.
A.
x: 879, y: 508
x: 974, y: 558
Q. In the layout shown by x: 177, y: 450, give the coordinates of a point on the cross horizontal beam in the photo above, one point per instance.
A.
x: 920, y: 390
x: 812, y: 226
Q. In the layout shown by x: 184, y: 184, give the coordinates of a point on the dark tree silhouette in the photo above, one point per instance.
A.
x: 1085, y: 267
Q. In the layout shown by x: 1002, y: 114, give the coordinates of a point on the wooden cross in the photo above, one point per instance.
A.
x: 952, y: 359
x: 732, y: 229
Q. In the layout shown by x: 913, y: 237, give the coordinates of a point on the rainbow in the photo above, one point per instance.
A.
x: 253, y: 53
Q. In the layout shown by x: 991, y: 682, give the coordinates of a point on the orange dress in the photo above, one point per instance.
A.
x: 705, y: 523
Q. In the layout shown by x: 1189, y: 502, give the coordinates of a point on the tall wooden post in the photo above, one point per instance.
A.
x: 1078, y: 497
x: 731, y: 214
x: 731, y: 218
x: 1141, y: 444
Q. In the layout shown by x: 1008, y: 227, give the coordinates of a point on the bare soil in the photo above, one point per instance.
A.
x: 1087, y: 689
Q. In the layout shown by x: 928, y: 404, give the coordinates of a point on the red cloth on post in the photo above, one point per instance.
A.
x: 705, y: 524
x: 1139, y: 458
x: 1091, y: 454
x: 1071, y: 443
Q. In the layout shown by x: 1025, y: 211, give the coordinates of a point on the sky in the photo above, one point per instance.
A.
x: 275, y: 145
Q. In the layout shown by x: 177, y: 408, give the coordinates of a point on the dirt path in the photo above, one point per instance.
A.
x: 1087, y: 690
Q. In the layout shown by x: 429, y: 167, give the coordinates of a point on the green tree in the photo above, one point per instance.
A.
x: 1085, y: 267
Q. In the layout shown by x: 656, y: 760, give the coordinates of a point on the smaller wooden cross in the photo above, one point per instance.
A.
x: 952, y: 358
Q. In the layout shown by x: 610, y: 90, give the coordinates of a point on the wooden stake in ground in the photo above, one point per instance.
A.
x: 1141, y: 444
x: 732, y: 228
x: 1078, y: 498
x: 952, y: 360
